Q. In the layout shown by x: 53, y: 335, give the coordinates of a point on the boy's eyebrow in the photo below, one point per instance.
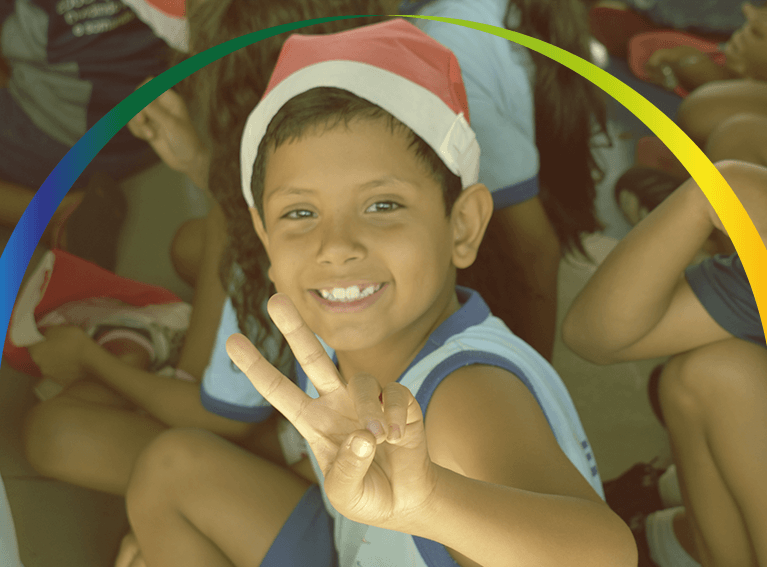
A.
x: 286, y: 190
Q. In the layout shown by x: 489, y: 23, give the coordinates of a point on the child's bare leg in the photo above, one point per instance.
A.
x: 89, y: 436
x: 742, y: 137
x: 710, y: 105
x: 715, y: 399
x: 195, y: 499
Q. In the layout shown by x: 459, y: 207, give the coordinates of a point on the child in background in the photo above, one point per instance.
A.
x: 535, y: 120
x: 644, y: 302
x: 98, y: 406
x: 69, y: 63
x: 360, y: 173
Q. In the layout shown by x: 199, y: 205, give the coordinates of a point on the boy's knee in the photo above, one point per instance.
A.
x: 165, y: 465
x: 742, y: 136
x: 46, y: 428
x: 711, y: 376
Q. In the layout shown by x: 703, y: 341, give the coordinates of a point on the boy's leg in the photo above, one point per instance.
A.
x: 710, y: 105
x: 89, y: 436
x: 195, y: 499
x: 742, y: 137
x: 714, y: 400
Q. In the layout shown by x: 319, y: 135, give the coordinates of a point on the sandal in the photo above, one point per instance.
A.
x: 635, y: 492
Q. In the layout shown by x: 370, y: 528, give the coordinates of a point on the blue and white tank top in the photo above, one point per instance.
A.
x: 470, y: 336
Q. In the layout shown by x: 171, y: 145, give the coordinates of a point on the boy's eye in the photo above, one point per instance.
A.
x: 298, y: 214
x: 383, y: 207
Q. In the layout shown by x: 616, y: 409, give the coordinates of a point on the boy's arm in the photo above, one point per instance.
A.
x: 506, y: 492
x: 638, y: 303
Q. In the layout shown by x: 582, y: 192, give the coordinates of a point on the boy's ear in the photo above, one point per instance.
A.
x: 258, y: 224
x: 470, y: 215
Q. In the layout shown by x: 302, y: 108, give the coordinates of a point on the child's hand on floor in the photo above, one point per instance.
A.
x: 165, y: 124
x: 60, y: 355
x: 372, y: 451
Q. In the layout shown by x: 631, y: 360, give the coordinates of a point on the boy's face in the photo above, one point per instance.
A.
x: 747, y: 48
x: 356, y: 232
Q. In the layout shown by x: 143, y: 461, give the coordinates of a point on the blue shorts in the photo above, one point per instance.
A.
x: 28, y: 155
x: 306, y: 539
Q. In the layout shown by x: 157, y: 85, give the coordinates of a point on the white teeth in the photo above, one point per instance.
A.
x: 348, y: 294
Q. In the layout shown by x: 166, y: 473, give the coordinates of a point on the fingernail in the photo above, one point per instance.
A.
x: 394, y: 433
x: 375, y: 427
x: 361, y: 447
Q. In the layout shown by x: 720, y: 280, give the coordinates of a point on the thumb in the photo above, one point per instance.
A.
x: 344, y: 480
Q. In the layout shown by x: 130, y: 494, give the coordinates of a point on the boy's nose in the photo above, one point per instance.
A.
x: 339, y: 244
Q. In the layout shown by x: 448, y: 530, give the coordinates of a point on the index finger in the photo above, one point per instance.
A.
x: 304, y: 344
x: 279, y: 391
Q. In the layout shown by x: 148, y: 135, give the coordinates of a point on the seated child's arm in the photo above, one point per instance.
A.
x: 689, y: 66
x: 638, y: 304
x: 507, y: 489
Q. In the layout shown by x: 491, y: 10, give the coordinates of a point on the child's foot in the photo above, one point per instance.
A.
x: 640, y: 189
x: 90, y: 226
x: 130, y: 346
x: 635, y: 492
x: 158, y: 329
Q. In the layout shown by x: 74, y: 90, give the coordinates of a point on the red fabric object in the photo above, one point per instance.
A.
x: 614, y: 28
x: 396, y: 46
x: 60, y: 278
x: 642, y: 46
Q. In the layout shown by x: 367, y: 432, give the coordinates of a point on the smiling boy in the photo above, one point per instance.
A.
x: 360, y: 170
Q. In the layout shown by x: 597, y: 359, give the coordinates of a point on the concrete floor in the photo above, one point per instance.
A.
x: 59, y: 525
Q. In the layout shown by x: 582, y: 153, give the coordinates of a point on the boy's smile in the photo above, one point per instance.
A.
x: 356, y: 232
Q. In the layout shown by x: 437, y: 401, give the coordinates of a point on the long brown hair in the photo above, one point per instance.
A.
x: 223, y: 94
x: 569, y: 112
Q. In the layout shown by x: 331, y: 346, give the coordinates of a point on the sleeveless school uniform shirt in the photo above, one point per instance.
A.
x: 470, y: 336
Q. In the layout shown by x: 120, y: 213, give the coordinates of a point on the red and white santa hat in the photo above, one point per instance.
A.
x: 392, y: 64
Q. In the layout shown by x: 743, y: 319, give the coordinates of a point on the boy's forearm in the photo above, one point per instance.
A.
x: 633, y: 287
x: 495, y: 525
x: 174, y: 402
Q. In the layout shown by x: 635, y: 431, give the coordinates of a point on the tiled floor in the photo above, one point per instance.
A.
x: 63, y: 526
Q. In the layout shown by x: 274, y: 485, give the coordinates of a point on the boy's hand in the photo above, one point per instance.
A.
x: 166, y: 126
x: 60, y: 355
x: 685, y: 64
x: 370, y: 477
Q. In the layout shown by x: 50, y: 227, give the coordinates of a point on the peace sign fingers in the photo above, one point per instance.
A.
x: 304, y: 344
x: 279, y: 391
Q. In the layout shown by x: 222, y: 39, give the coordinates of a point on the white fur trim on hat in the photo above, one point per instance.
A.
x: 446, y: 132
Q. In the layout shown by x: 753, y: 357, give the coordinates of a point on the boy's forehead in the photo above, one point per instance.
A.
x: 364, y: 154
